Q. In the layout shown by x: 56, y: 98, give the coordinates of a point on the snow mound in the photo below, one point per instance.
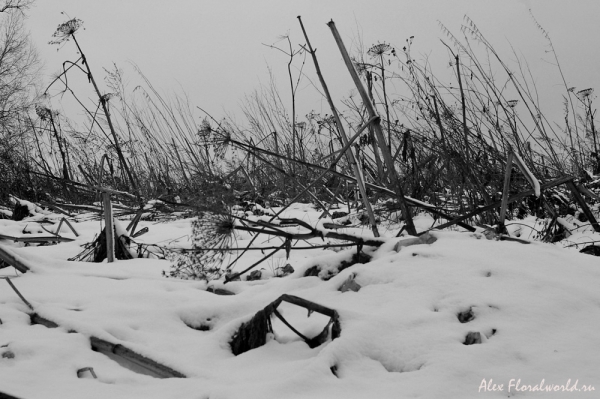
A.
x: 442, y: 320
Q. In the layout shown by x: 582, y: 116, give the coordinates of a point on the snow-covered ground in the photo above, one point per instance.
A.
x: 536, y: 307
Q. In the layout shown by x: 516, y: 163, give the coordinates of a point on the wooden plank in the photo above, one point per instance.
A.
x: 25, y: 301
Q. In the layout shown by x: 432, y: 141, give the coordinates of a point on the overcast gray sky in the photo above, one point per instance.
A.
x: 214, y: 49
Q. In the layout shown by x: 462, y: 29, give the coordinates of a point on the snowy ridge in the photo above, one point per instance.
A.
x: 536, y: 307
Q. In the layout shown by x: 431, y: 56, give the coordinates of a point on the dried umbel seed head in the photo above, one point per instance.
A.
x: 66, y: 30
x: 224, y: 227
x: 205, y: 129
x: 44, y: 113
x: 218, y: 138
x: 213, y: 230
x: 213, y: 234
x: 379, y: 49
x: 585, y: 93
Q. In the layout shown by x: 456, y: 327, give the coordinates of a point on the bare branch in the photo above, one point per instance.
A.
x: 10, y: 5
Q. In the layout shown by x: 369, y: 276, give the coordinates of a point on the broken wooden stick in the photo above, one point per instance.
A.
x: 387, y: 156
x: 109, y: 228
x: 65, y: 221
x: 360, y: 180
x: 155, y: 368
x: 82, y: 371
x: 105, y: 347
x: 7, y: 256
x: 237, y: 275
x: 253, y: 333
x: 37, y: 239
x: 119, y: 351
x: 18, y: 293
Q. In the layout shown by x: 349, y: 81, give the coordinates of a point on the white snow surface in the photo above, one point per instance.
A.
x: 536, y: 306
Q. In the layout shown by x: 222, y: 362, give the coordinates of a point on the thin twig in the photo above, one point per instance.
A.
x: 18, y: 293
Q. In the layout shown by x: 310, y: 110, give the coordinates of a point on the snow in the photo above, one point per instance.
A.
x: 536, y: 306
